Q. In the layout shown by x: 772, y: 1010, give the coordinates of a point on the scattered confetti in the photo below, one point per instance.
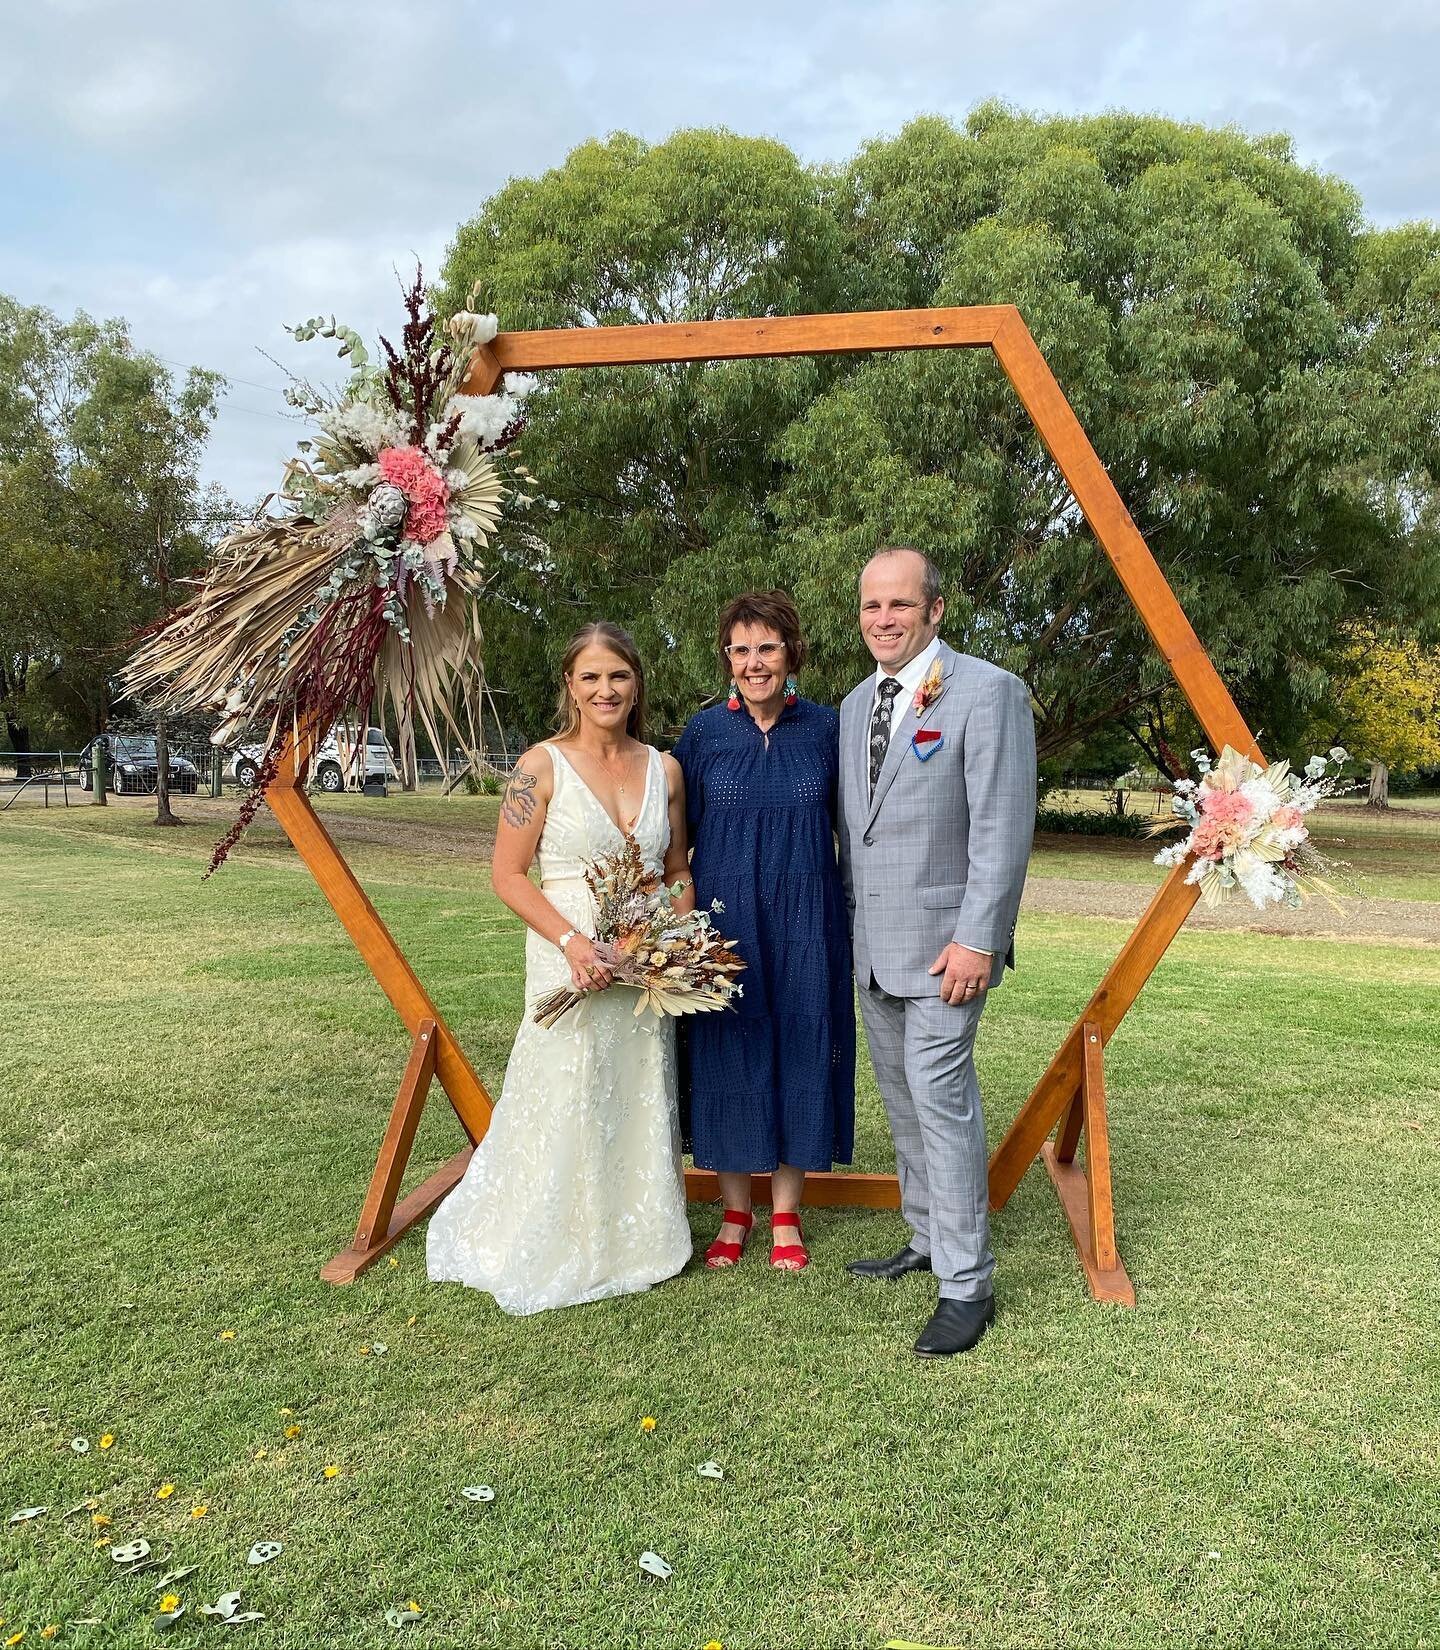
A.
x: 200, y: 1511
x: 164, y: 1492
x: 263, y: 1551
x: 107, y: 1440
x: 710, y: 1469
x: 647, y: 1423
x: 478, y: 1492
x: 81, y: 1446
x: 653, y: 1565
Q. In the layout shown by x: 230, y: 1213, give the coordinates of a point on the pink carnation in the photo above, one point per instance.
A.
x: 1287, y: 818
x: 1214, y: 838
x: 423, y: 486
x: 1226, y: 807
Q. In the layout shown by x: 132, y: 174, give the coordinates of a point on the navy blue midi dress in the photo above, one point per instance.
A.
x: 771, y: 1081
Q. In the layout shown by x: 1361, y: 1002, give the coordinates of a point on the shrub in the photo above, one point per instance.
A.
x: 1074, y: 822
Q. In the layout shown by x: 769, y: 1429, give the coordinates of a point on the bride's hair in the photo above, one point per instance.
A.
x: 617, y: 641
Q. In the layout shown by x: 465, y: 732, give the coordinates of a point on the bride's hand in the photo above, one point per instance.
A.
x: 587, y: 972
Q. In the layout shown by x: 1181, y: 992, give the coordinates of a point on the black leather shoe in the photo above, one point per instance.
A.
x: 956, y: 1327
x: 896, y: 1266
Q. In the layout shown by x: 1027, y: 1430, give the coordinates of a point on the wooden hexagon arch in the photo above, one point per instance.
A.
x: 1071, y: 1092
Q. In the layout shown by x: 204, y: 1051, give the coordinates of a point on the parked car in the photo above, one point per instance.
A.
x: 132, y: 765
x: 337, y: 765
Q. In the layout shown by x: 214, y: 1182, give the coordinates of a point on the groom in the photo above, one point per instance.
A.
x: 937, y: 809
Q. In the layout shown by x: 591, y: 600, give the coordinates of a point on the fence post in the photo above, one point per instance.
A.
x: 216, y: 771
x: 98, y: 764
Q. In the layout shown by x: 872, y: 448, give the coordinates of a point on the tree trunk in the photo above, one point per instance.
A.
x: 18, y: 733
x: 163, y: 816
x: 1379, y: 785
x: 409, y: 764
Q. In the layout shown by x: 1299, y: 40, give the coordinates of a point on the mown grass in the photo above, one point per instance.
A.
x: 196, y: 1077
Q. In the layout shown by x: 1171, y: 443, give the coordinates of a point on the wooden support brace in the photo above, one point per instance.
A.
x: 1086, y: 1195
x: 382, y: 1222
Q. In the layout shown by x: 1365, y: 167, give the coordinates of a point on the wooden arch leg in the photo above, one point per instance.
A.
x: 1085, y: 1194
x: 382, y: 1222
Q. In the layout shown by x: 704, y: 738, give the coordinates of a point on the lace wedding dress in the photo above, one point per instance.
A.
x: 576, y: 1192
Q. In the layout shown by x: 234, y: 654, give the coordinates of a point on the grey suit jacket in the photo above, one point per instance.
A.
x: 939, y: 852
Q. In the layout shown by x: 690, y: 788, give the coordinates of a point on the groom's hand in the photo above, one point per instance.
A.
x: 967, y: 973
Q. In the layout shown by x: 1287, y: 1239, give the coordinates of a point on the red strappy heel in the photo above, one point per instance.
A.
x: 720, y: 1255
x: 788, y: 1257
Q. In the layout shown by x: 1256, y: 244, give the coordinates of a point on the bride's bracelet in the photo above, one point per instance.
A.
x: 565, y: 939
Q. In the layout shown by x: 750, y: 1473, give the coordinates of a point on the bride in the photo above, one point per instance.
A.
x: 576, y: 1192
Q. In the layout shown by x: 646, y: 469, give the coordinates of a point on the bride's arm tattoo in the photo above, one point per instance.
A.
x: 518, y: 805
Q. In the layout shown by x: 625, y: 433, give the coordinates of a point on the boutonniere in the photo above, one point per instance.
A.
x: 930, y: 689
x: 926, y: 741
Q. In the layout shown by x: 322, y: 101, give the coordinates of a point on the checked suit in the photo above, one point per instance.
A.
x: 937, y: 854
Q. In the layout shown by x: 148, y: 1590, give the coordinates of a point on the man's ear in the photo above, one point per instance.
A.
x: 937, y: 612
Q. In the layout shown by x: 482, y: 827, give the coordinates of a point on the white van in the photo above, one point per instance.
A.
x: 336, y: 766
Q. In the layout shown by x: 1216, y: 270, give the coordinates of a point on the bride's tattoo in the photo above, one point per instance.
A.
x: 518, y: 805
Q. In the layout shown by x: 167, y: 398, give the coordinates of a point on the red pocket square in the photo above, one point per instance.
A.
x: 927, y: 736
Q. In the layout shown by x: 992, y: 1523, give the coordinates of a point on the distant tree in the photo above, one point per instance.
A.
x: 1386, y: 708
x: 101, y: 506
x: 1219, y: 316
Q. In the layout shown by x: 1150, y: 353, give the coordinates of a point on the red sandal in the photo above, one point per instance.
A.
x: 720, y: 1255
x: 788, y: 1257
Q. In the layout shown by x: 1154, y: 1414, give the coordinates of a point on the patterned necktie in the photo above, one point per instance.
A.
x: 880, y: 727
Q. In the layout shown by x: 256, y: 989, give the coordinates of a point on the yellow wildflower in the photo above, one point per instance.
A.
x: 50, y: 1631
x: 410, y: 1321
x: 107, y: 1440
x: 293, y: 1430
x: 15, y: 1638
x: 199, y: 1512
x: 410, y: 1604
x: 396, y: 1263
x: 332, y: 1472
x: 164, y: 1492
x: 648, y: 1424
x: 227, y: 1334
x: 99, y: 1520
x: 170, y: 1602
x: 713, y: 1644
x: 260, y: 1454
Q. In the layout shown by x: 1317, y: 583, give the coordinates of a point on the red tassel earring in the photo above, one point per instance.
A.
x: 733, y: 702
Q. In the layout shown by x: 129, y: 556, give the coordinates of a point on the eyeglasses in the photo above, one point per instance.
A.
x: 767, y: 652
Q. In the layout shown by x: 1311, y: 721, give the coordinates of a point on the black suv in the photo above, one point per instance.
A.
x: 131, y: 765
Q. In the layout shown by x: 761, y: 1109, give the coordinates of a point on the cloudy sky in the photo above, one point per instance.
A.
x: 210, y: 172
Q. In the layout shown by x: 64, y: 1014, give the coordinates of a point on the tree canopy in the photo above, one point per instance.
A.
x: 100, y: 505
x: 1256, y: 368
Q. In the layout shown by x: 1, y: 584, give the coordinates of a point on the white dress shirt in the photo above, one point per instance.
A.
x: 909, y: 677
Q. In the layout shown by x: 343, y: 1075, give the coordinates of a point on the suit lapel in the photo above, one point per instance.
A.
x: 859, y: 744
x: 904, y: 732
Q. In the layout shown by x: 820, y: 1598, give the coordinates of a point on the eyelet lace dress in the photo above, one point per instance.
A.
x: 576, y: 1192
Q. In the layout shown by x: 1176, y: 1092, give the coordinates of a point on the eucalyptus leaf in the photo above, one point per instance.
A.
x: 81, y: 1446
x: 26, y: 1514
x: 653, y: 1565
x: 398, y: 1617
x: 127, y: 1552
x: 167, y: 1619
x: 263, y: 1551
x: 478, y: 1492
x: 172, y: 1578
x: 242, y: 1616
x: 710, y: 1469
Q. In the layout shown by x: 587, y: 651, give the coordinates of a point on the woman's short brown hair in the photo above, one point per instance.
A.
x: 774, y: 610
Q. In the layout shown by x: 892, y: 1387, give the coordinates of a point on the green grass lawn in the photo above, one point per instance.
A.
x: 196, y: 1078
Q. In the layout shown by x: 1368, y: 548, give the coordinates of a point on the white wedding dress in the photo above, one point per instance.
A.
x: 577, y: 1191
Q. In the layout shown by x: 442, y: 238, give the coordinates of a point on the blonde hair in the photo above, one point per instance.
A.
x: 617, y: 641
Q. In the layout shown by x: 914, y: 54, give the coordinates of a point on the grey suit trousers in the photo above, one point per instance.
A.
x: 922, y: 1050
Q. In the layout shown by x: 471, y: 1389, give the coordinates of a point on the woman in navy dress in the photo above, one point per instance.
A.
x: 771, y: 1084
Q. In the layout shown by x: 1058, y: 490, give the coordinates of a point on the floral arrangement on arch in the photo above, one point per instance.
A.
x: 367, y: 581
x: 1245, y: 827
